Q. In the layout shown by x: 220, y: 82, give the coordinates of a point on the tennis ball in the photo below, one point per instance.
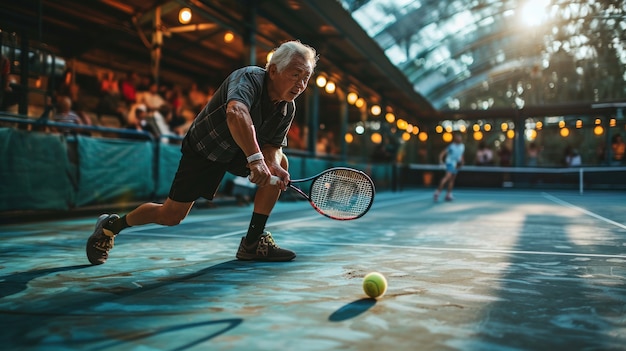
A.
x: 374, y: 285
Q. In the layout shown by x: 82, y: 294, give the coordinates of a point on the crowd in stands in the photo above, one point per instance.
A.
x: 131, y: 102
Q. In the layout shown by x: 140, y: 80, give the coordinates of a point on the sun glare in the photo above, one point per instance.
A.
x: 533, y: 12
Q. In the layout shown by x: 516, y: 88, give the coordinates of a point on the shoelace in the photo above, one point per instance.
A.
x: 270, y: 240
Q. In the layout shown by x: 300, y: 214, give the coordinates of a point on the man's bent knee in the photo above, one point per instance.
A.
x: 170, y: 220
x: 172, y: 212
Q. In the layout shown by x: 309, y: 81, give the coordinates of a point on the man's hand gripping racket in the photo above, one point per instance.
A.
x: 338, y: 193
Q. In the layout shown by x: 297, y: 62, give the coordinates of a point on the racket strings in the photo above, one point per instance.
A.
x: 342, y: 194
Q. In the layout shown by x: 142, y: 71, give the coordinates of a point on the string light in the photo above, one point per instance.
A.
x: 352, y: 97
x: 184, y: 15
x: 375, y: 110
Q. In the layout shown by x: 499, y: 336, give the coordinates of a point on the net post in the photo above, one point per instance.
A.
x: 580, y: 180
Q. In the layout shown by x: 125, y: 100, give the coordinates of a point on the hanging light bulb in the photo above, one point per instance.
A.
x: 184, y: 15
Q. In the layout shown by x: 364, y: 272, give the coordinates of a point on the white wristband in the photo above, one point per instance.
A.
x: 255, y: 157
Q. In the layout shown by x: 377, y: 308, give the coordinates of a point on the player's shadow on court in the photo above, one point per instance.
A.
x: 352, y: 309
x: 18, y: 282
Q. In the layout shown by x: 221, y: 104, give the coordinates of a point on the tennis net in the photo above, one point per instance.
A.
x: 579, y: 178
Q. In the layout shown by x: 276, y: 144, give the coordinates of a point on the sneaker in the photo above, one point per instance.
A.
x: 436, y: 196
x: 100, y: 243
x: 265, y: 249
x: 449, y: 197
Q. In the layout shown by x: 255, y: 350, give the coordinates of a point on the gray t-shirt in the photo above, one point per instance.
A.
x: 209, y: 134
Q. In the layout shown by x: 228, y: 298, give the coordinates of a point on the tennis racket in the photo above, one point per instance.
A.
x: 338, y: 193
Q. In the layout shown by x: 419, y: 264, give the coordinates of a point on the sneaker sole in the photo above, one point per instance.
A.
x: 96, y: 260
x: 243, y: 257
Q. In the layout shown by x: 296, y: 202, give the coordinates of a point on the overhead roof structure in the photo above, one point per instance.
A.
x: 486, y: 54
x: 119, y: 34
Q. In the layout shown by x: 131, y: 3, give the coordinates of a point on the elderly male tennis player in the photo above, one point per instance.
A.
x: 241, y: 130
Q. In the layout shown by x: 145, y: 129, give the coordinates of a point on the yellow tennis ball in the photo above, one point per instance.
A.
x: 374, y: 285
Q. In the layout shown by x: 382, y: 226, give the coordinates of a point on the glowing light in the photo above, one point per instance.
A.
x: 359, y: 129
x: 579, y: 123
x: 598, y: 121
x: 330, y: 87
x: 415, y: 130
x: 422, y: 136
x: 375, y: 110
x: 612, y: 122
x: 406, y: 136
x: 321, y: 81
x: 510, y: 134
x: 352, y: 97
x: 564, y: 132
x: 409, y: 128
x: 531, y: 134
x: 448, y: 129
x: 504, y: 126
x: 360, y: 102
x: 561, y: 124
x: 598, y: 130
x: 476, y: 127
x: 487, y: 127
x: 402, y: 124
x: 390, y: 117
x: 534, y: 12
x: 184, y: 15
x: 462, y: 128
x: 478, y: 135
x: 349, y: 138
x: 447, y: 137
x: 538, y: 125
x: 376, y: 138
x: 439, y: 129
x: 229, y: 37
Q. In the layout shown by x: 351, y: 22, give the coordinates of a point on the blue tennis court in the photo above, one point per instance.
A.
x: 495, y: 269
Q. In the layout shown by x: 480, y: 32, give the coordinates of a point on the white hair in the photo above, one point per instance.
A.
x: 284, y: 54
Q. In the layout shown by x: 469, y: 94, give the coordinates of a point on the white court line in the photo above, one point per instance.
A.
x: 429, y: 248
x: 580, y: 209
x: 386, y: 203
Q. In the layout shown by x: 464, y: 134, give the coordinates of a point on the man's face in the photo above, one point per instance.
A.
x: 292, y: 81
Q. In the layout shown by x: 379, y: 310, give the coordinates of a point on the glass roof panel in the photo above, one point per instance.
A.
x: 487, y: 53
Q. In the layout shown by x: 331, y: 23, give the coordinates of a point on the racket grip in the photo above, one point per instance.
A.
x: 274, y: 180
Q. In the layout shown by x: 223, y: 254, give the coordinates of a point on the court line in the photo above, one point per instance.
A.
x: 385, y: 203
x: 580, y: 209
x: 454, y: 249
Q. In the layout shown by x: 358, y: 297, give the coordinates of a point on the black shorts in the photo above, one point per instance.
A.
x: 198, y: 177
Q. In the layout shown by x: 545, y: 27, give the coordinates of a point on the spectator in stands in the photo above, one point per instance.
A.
x: 197, y: 98
x: 128, y: 88
x: 572, y: 157
x: 78, y: 105
x: 64, y: 113
x: 174, y: 114
x: 223, y: 138
x: 110, y: 98
x: 484, y: 155
x: 618, y: 148
x: 532, y: 155
x: 141, y: 122
x: 152, y: 99
x: 454, y: 160
x: 505, y: 155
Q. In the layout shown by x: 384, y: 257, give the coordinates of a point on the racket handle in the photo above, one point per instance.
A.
x: 273, y: 179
